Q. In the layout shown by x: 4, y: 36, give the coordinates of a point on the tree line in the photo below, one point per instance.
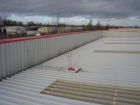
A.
x: 57, y: 23
x: 8, y: 22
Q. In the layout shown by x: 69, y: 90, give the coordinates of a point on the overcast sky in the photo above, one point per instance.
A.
x: 113, y: 12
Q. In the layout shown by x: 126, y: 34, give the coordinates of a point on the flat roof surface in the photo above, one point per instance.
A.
x: 117, y: 69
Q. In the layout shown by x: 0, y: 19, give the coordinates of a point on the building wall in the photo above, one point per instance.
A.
x: 32, y: 32
x: 2, y: 31
x: 14, y: 29
x: 46, y: 29
x: 43, y: 29
x: 51, y: 29
x: 20, y: 55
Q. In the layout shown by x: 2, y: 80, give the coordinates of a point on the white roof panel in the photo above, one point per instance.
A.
x: 102, y: 68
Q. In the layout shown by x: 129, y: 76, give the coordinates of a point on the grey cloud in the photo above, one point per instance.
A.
x: 95, y: 8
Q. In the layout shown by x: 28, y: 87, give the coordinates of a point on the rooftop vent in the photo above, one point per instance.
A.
x: 94, y: 93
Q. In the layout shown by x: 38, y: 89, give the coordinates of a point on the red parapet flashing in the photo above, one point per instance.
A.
x: 39, y: 37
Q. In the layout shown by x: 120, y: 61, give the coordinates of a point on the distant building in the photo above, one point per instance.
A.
x: 32, y: 30
x: 59, y: 29
x: 46, y: 30
x: 2, y: 31
x: 14, y: 29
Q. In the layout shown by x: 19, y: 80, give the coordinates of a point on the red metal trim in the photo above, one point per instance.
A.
x: 39, y: 37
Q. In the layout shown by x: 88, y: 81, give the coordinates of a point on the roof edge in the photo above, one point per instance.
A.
x: 41, y: 36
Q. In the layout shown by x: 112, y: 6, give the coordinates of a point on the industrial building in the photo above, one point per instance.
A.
x: 34, y: 70
x: 46, y: 30
x: 2, y: 31
x: 32, y: 30
x: 59, y: 29
x: 14, y: 29
x: 36, y: 30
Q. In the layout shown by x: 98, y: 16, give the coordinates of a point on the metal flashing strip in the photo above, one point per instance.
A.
x: 119, y: 43
x: 94, y: 93
x: 117, y: 51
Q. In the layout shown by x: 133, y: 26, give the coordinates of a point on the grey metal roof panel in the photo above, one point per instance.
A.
x: 113, y: 69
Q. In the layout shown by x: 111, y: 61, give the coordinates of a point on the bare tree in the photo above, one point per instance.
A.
x: 58, y: 23
x: 98, y: 26
x: 30, y: 23
x: 89, y: 25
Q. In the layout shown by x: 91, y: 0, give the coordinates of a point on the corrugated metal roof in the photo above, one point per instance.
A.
x: 95, y: 93
x: 102, y: 68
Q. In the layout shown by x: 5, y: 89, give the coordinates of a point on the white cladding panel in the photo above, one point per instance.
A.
x: 18, y: 56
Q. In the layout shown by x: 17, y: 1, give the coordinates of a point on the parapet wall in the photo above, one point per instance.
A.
x: 19, y: 54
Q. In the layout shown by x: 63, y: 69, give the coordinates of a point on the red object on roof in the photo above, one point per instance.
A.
x: 71, y: 69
